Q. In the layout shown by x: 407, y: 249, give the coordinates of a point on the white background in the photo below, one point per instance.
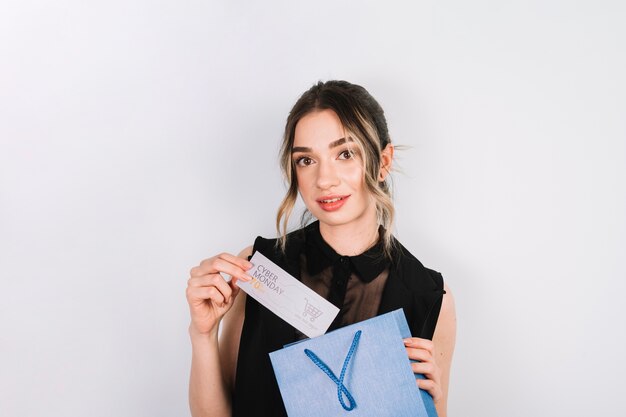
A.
x: 140, y: 137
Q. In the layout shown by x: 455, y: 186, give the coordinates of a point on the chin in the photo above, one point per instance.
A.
x: 336, y: 218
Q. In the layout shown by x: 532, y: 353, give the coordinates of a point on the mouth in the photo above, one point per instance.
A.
x: 332, y: 202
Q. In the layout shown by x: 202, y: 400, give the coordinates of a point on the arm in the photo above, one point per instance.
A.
x: 436, y: 356
x: 213, y: 363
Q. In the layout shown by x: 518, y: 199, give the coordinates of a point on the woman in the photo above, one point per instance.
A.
x: 337, y: 155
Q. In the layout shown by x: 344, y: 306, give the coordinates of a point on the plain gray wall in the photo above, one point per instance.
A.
x: 140, y: 137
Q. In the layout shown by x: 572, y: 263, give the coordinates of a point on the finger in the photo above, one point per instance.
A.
x: 233, y: 283
x: 196, y: 271
x: 224, y: 288
x: 212, y: 280
x: 242, y: 263
x: 206, y: 267
x: 206, y: 280
x: 206, y: 293
x: 418, y: 343
x: 425, y: 368
x: 419, y: 354
x: 234, y: 288
x: 433, y: 388
x: 232, y: 269
x: 215, y: 265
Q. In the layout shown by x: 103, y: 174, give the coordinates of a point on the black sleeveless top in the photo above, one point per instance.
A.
x: 362, y: 286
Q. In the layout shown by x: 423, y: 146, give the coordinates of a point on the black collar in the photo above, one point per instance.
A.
x: 320, y: 255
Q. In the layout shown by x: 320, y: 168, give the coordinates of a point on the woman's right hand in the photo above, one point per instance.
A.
x: 209, y: 295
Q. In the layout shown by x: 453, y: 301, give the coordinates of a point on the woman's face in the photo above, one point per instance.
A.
x: 329, y: 171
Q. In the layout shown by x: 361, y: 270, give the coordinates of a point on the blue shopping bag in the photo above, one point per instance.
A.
x: 358, y: 370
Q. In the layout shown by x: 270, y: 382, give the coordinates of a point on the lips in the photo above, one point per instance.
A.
x: 332, y: 202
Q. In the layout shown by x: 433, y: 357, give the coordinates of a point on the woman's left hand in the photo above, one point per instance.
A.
x: 423, y: 350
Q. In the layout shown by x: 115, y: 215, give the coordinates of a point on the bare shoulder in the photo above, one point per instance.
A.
x: 231, y: 327
x: 447, y: 306
x: 444, y: 338
x: 445, y: 330
x: 245, y: 252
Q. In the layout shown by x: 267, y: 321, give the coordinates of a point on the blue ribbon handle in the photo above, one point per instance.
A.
x: 341, y: 388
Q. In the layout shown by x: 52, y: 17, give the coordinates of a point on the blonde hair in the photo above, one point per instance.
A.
x: 364, y: 122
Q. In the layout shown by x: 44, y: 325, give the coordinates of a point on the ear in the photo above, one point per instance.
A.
x: 386, y: 159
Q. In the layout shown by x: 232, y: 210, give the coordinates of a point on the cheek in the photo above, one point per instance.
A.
x: 354, y: 178
x: 303, y: 181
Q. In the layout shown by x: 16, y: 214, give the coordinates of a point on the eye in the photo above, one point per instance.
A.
x: 304, y: 161
x: 347, y: 154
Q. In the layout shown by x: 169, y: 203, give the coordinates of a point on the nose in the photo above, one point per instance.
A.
x: 327, y: 175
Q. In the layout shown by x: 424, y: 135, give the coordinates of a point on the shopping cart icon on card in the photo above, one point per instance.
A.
x: 311, y: 311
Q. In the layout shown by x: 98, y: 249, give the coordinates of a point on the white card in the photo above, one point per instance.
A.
x: 288, y: 298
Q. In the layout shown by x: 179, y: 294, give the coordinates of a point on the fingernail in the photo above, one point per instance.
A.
x: 247, y: 277
x: 249, y: 265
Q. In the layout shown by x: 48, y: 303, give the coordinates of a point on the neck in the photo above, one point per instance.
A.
x: 353, y: 238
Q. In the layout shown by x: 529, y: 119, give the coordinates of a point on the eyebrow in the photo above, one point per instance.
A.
x: 331, y: 145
